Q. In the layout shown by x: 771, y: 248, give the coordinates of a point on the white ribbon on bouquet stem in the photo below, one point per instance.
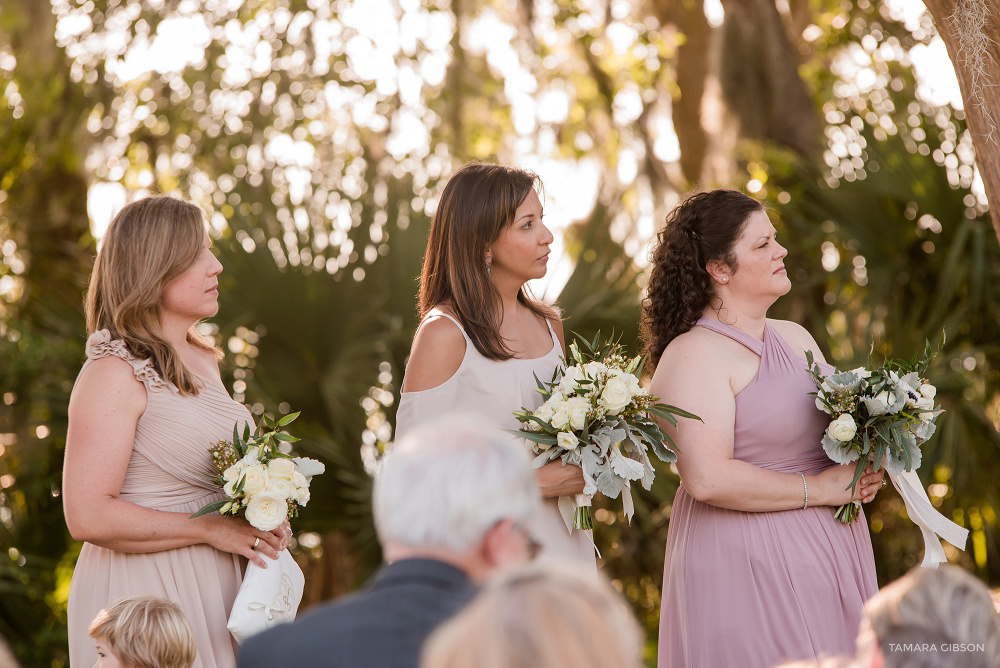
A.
x: 569, y: 504
x: 932, y: 523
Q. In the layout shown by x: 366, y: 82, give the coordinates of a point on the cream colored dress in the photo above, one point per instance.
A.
x: 169, y: 470
x: 494, y: 390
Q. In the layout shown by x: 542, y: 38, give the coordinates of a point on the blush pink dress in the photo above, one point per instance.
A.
x: 757, y: 589
x: 493, y: 390
x: 170, y: 471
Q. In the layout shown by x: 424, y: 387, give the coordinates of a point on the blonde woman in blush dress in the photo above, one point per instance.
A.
x: 757, y: 569
x: 482, y: 338
x: 146, y: 407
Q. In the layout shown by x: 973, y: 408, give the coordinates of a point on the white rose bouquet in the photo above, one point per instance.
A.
x: 261, y: 482
x: 596, y: 416
x: 881, y: 417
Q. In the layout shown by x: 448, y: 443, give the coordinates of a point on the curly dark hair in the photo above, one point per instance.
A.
x: 703, y: 228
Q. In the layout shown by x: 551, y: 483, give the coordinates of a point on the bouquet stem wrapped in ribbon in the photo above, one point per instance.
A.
x: 881, y: 417
x: 597, y: 417
x: 266, y: 486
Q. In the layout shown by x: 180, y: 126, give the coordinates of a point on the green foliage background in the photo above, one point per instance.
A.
x: 870, y: 187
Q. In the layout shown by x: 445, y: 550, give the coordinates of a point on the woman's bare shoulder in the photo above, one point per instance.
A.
x: 797, y: 336
x: 437, y: 353
x: 108, y: 379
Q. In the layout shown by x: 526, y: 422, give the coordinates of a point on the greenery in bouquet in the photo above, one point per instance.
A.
x: 882, y: 415
x: 596, y: 416
x: 260, y: 481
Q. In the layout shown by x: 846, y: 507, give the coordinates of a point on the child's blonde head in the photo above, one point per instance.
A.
x: 146, y: 632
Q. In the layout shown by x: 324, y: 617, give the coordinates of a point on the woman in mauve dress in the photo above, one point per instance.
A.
x: 757, y: 569
x: 147, y: 406
x: 483, y: 339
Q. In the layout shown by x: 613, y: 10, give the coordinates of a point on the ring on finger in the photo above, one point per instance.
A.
x: 256, y: 543
x: 884, y: 482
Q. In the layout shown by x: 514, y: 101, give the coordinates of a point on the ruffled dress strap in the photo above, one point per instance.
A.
x: 100, y: 344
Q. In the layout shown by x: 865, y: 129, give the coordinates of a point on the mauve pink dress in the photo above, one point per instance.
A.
x: 757, y: 589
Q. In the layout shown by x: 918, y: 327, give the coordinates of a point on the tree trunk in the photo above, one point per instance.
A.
x: 761, y: 79
x: 706, y: 130
x: 971, y: 31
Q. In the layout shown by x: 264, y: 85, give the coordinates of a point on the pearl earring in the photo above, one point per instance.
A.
x: 725, y: 279
x: 489, y: 262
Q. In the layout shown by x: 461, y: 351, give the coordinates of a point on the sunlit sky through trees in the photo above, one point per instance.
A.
x: 402, y: 48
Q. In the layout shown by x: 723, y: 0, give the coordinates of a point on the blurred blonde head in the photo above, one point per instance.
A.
x: 145, y: 632
x: 920, y: 619
x: 557, y: 616
x: 148, y: 244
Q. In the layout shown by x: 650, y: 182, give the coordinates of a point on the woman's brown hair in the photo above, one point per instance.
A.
x: 478, y: 203
x: 148, y: 244
x: 703, y: 228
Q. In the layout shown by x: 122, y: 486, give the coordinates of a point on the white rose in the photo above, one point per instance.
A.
x: 266, y: 511
x: 229, y: 489
x: 569, y: 379
x: 280, y: 487
x: 633, y: 385
x: 299, y: 480
x: 577, y: 408
x: 302, y: 496
x: 592, y: 369
x: 615, y: 395
x: 928, y: 391
x: 250, y: 458
x: 567, y: 440
x: 560, y: 417
x: 232, y: 474
x: 279, y: 467
x: 545, y: 412
x: 842, y: 429
x: 254, y: 479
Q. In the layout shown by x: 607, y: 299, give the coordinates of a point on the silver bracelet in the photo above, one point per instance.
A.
x: 805, y: 488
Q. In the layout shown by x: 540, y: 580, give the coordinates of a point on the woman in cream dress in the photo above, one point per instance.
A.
x: 482, y: 339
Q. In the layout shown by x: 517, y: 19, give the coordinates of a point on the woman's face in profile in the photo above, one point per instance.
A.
x: 195, y: 293
x: 522, y: 251
x: 760, y: 260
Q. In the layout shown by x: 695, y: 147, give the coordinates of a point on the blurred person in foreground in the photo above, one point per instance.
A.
x: 450, y: 501
x: 548, y: 614
x: 931, y: 618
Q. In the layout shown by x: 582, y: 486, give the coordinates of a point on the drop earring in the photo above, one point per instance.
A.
x: 489, y: 262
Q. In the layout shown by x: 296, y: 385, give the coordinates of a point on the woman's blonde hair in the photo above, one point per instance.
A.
x: 557, y: 616
x: 148, y: 244
x: 146, y: 632
x: 920, y: 619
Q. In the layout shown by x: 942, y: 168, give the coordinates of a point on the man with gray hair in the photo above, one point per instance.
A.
x: 931, y: 618
x: 450, y: 503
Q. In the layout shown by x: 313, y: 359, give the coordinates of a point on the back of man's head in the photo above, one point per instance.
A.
x: 446, y: 484
x: 935, y: 618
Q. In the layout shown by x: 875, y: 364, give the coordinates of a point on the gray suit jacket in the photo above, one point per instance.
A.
x: 382, y: 626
